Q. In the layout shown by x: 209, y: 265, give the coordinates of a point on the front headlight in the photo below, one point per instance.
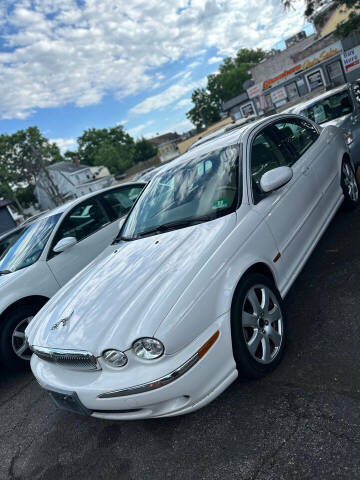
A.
x: 349, y: 137
x: 115, y: 358
x: 148, y: 348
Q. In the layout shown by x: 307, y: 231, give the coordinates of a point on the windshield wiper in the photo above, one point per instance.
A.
x: 4, y: 272
x: 166, y: 227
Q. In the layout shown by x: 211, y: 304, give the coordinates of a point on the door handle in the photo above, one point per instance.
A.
x: 305, y: 170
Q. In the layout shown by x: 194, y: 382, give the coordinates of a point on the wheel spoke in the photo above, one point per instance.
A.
x: 253, y: 299
x: 275, y: 337
x: 265, y: 297
x: 266, y: 355
x: 249, y: 320
x: 273, y: 315
x: 22, y: 349
x: 254, y: 342
x: 18, y: 334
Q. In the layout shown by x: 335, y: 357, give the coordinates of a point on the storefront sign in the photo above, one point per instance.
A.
x: 351, y: 59
x: 278, y: 95
x: 254, y: 91
x: 309, y: 62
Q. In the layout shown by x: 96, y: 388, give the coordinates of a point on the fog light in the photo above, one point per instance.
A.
x: 115, y: 358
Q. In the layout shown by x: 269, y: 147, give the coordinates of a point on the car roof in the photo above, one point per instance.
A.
x: 315, y: 100
x: 231, y: 137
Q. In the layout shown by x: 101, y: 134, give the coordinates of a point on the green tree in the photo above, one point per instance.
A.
x: 143, y: 150
x: 206, y: 108
x: 24, y: 158
x: 222, y: 86
x: 343, y: 29
x: 114, y: 144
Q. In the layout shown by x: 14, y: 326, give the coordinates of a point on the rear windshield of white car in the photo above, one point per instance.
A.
x: 204, y: 188
x: 24, y: 247
x: 329, y: 108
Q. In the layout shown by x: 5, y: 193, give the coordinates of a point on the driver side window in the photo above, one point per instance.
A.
x: 84, y: 220
x: 265, y: 155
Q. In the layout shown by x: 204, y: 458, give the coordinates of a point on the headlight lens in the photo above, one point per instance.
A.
x: 349, y: 137
x: 115, y: 358
x: 148, y: 348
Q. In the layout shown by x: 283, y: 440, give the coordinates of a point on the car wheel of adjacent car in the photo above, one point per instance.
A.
x: 258, y: 326
x: 349, y: 185
x: 14, y: 351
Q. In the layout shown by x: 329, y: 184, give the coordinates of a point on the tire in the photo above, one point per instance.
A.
x: 12, y: 337
x: 349, y: 186
x: 258, y: 339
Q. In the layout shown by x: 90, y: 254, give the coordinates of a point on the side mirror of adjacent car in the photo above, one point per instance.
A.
x: 64, y: 244
x: 275, y: 178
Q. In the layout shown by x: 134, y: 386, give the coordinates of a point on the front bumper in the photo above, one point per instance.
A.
x: 199, y: 385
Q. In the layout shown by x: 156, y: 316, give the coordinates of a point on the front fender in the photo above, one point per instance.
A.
x: 210, y: 293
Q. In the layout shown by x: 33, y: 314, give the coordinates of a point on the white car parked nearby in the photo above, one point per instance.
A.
x: 193, y: 292
x: 38, y: 258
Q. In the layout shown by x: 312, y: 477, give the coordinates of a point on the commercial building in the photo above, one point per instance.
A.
x: 309, y: 65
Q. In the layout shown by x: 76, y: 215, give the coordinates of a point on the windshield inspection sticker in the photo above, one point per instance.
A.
x: 221, y: 203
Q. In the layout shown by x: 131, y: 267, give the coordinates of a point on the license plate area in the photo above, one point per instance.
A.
x: 68, y: 401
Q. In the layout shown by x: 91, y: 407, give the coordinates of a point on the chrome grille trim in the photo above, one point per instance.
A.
x: 72, y: 359
x: 155, y: 384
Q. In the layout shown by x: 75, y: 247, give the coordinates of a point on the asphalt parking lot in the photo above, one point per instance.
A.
x: 302, y: 422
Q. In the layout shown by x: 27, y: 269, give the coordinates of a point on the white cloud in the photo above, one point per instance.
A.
x: 215, y: 60
x: 135, y: 131
x: 167, y: 97
x: 185, y: 102
x: 65, y: 143
x: 178, y: 127
x: 64, y: 51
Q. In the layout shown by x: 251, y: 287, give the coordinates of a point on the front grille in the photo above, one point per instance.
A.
x: 72, y: 359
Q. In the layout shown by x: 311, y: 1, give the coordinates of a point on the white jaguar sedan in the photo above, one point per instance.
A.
x: 191, y: 295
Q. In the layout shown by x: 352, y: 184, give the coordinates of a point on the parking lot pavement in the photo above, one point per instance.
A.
x: 302, y: 422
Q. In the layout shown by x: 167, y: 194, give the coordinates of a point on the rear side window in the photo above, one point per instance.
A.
x: 120, y: 201
x: 297, y: 135
x: 329, y: 108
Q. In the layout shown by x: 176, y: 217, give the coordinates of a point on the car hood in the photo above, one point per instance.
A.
x: 129, y: 293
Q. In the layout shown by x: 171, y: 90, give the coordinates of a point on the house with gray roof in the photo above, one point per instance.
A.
x: 67, y: 180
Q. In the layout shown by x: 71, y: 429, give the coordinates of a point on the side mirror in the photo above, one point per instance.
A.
x: 275, y: 178
x: 64, y: 244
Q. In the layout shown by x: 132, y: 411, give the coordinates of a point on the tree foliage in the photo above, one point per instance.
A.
x: 144, y: 150
x: 222, y: 86
x: 344, y: 28
x: 24, y: 156
x: 112, y: 147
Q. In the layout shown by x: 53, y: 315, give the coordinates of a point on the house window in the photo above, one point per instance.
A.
x: 292, y: 91
x: 315, y: 80
x: 247, y: 110
x: 335, y: 73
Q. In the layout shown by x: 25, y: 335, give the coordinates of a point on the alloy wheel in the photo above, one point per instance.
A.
x: 262, y: 324
x: 19, y: 343
x: 350, y: 182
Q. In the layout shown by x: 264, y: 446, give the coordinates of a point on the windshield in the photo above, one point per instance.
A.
x: 329, y: 108
x: 204, y: 188
x: 23, y: 247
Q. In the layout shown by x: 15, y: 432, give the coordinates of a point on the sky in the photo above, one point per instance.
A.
x: 70, y: 65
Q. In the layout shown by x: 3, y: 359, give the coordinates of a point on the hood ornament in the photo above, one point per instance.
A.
x: 62, y: 322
